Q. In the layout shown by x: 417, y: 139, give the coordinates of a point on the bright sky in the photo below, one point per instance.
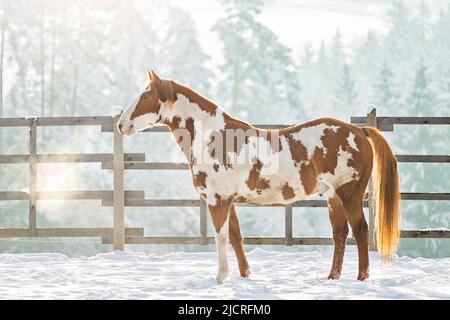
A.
x: 298, y: 22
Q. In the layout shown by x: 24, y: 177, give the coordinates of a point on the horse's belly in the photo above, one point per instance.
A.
x: 285, y: 193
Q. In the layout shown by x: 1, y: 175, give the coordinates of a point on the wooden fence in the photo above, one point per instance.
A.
x: 118, y: 198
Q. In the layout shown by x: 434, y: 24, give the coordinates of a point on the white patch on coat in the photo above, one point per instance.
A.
x: 204, y: 124
x: 311, y: 137
x: 343, y: 173
x: 125, y: 119
x: 279, y: 170
x: 144, y: 121
x: 351, y: 141
x: 222, y: 248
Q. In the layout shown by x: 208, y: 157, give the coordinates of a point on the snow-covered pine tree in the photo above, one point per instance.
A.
x: 346, y: 91
x: 310, y: 81
x: 423, y: 23
x: 400, y: 38
x: 420, y: 101
x: 337, y: 58
x: 183, y: 57
x: 259, y: 76
x: 3, y: 30
x: 365, y: 67
x: 384, y: 91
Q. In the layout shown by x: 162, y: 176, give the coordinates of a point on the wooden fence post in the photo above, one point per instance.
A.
x: 288, y: 225
x: 118, y: 194
x: 32, y: 216
x: 203, y: 222
x: 372, y: 122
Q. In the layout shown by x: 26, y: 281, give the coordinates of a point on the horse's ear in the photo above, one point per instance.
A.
x: 154, y: 76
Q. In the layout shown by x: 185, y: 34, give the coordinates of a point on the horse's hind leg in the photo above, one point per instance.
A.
x: 351, y: 195
x: 340, y: 233
x: 236, y: 242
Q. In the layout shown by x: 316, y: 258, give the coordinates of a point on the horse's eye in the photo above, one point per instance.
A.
x: 144, y: 96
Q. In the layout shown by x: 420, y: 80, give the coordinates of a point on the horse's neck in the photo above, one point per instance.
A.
x: 190, y: 116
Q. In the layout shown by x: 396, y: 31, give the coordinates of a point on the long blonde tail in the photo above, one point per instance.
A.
x: 386, y: 193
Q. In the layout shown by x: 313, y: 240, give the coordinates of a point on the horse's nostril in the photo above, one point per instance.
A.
x: 120, y: 126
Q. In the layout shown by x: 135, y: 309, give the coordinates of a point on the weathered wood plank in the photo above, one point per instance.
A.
x: 119, y: 194
x: 32, y: 186
x: 196, y: 203
x: 203, y: 222
x: 68, y: 232
x: 425, y: 234
x: 74, y: 121
x: 70, y: 158
x: 87, y: 195
x: 162, y: 203
x: 14, y: 159
x: 372, y: 122
x: 156, y: 166
x: 86, y: 158
x: 387, y: 123
x: 14, y: 195
x: 288, y: 225
x: 425, y: 196
x: 247, y: 240
x: 423, y: 158
x: 14, y: 122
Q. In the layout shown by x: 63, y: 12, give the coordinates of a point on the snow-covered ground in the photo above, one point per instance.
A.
x: 275, y: 275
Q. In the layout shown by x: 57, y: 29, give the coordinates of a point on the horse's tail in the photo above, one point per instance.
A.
x: 386, y: 193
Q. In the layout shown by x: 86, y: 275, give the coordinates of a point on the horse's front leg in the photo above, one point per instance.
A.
x: 236, y: 242
x: 220, y: 217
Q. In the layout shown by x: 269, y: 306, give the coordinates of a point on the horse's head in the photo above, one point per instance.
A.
x: 147, y: 110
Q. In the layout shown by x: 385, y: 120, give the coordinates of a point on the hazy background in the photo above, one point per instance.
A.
x: 268, y: 61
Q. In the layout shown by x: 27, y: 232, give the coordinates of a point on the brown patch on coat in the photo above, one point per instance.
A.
x: 288, y: 192
x: 220, y: 211
x: 190, y: 127
x: 299, y: 152
x: 200, y: 179
x: 308, y: 177
x: 216, y: 167
x: 173, y: 124
x: 254, y: 181
x: 332, y: 142
x: 149, y: 102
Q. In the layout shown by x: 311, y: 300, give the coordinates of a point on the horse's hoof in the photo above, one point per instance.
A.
x: 334, y: 276
x: 245, y: 273
x: 221, y: 277
x: 363, y: 276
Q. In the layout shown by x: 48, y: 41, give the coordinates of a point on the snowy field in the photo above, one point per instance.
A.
x: 276, y: 275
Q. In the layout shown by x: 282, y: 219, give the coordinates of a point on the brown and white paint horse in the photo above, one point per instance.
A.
x: 234, y: 162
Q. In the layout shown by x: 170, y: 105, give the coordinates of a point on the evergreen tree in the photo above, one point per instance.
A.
x: 385, y: 96
x: 346, y: 92
x: 259, y: 74
x: 366, y: 64
x: 420, y: 100
x: 337, y: 57
x: 184, y: 59
x: 423, y: 23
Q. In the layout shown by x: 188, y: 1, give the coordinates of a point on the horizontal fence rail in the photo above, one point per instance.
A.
x: 119, y: 198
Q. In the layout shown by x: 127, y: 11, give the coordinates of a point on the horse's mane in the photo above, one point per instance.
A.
x: 194, y: 97
x: 166, y: 91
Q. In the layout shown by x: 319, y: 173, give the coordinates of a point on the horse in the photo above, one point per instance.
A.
x: 233, y: 162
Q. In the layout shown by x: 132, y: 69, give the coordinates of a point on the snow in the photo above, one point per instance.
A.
x: 275, y: 275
